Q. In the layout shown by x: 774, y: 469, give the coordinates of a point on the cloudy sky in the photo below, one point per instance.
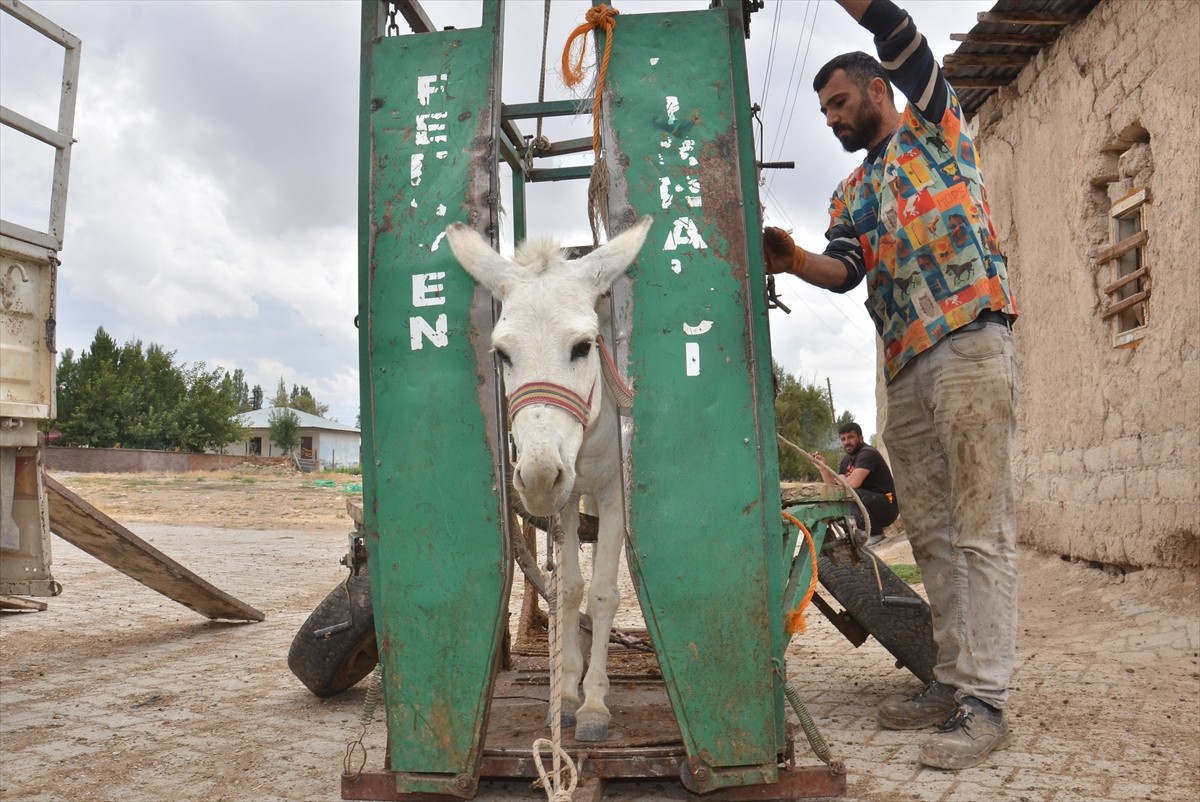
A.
x: 213, y: 200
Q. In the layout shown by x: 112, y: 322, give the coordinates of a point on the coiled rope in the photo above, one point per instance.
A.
x: 794, y: 620
x: 599, y: 17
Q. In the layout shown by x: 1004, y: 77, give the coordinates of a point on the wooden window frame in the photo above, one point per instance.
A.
x: 1128, y: 250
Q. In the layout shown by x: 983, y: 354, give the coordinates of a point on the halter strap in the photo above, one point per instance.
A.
x: 620, y: 389
x: 553, y: 394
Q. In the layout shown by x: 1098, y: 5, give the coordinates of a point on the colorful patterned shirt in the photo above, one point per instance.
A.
x: 913, y: 218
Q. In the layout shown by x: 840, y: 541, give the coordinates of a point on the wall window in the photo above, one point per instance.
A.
x: 1117, y: 229
x: 1124, y: 271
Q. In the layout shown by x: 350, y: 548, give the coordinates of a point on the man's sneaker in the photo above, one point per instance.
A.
x: 967, y: 737
x: 926, y: 709
x: 875, y: 540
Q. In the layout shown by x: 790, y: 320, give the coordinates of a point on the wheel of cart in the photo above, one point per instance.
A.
x: 335, y: 647
x: 878, y: 603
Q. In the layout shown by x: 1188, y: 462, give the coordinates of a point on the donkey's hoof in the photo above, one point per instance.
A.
x: 568, y: 714
x: 591, y: 727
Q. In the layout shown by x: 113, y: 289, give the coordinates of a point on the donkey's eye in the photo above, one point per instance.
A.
x: 581, y: 350
x: 500, y: 352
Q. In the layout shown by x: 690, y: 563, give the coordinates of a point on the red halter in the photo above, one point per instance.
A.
x: 553, y: 394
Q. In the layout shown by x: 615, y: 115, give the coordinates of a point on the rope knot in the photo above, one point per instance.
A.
x: 602, y: 16
x: 598, y: 16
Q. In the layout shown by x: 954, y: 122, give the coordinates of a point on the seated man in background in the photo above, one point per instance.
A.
x: 863, y: 469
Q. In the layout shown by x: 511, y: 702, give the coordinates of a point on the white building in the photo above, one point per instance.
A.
x: 331, y: 444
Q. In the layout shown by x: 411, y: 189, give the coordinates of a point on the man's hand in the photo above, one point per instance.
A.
x: 818, y: 457
x: 781, y: 253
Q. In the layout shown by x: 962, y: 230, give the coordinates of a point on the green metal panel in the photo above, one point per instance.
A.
x: 706, y: 534
x: 440, y: 569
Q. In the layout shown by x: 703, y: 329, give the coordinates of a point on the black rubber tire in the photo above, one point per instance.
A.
x: 906, y: 632
x: 329, y: 665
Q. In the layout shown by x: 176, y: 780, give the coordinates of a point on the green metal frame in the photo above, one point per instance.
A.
x: 705, y: 529
x: 708, y: 550
x: 435, y: 511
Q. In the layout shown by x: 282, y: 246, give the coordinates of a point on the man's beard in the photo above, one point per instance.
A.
x: 860, y: 135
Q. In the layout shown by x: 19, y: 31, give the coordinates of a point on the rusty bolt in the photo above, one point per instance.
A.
x: 463, y: 781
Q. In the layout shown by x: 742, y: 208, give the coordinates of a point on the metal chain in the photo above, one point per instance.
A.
x: 393, y: 27
x: 52, y: 322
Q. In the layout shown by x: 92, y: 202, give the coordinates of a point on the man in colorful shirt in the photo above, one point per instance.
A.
x: 913, y: 220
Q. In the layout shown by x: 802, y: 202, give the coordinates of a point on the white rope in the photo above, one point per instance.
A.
x: 553, y: 783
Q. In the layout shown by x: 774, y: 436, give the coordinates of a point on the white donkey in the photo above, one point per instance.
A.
x: 564, y: 422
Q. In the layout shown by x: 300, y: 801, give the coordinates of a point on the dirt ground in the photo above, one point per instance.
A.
x: 250, y: 497
x: 117, y: 693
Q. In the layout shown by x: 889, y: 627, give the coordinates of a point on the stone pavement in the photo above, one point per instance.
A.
x: 116, y: 693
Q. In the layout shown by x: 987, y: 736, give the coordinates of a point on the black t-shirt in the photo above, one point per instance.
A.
x: 879, y: 479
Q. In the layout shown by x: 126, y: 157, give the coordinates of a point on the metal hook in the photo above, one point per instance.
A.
x: 8, y: 287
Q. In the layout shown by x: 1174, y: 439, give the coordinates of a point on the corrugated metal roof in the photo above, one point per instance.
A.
x: 1002, y: 43
x: 261, y: 419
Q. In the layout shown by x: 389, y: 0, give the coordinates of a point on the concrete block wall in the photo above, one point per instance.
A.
x: 1107, y: 462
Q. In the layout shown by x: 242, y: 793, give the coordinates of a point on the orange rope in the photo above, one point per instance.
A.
x: 794, y: 620
x: 598, y: 16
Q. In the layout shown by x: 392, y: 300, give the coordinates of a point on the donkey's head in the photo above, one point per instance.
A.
x: 546, y: 342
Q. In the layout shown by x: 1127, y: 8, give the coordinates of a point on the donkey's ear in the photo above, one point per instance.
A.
x: 479, y: 259
x: 615, y: 256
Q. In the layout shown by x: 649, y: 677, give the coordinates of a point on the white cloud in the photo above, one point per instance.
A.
x: 213, y: 197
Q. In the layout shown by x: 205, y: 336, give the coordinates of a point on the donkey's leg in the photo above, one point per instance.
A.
x: 603, y: 599
x: 572, y: 586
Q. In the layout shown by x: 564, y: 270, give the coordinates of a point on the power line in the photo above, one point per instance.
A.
x: 762, y: 101
x: 794, y: 87
x: 837, y: 334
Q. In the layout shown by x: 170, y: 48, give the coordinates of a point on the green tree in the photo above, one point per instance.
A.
x: 283, y: 427
x: 280, y: 398
x: 207, y: 417
x: 153, y: 386
x: 303, y: 400
x: 256, y: 397
x: 241, y: 390
x: 139, y: 398
x: 65, y: 392
x: 802, y: 416
x: 93, y: 396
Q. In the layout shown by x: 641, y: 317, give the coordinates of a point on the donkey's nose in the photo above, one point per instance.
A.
x: 540, y: 483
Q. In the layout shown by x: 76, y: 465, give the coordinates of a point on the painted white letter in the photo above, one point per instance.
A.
x: 426, y: 293
x: 417, y: 328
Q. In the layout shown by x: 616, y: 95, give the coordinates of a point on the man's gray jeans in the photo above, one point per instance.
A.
x: 950, y: 424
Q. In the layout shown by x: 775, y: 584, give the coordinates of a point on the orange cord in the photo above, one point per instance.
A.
x: 599, y: 16
x: 794, y: 620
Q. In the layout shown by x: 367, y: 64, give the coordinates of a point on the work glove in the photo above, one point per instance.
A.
x: 781, y: 253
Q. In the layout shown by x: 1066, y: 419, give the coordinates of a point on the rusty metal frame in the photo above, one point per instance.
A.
x: 60, y: 137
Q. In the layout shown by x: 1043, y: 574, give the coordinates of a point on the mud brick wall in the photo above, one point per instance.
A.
x: 1107, y: 461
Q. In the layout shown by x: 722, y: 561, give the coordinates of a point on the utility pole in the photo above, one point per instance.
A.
x: 832, y: 414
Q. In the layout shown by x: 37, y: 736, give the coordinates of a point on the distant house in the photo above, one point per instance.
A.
x: 331, y: 444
